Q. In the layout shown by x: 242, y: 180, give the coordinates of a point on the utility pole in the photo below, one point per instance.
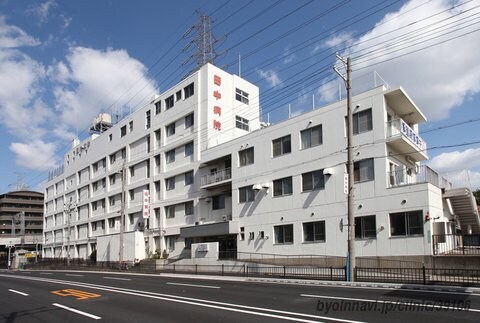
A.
x: 69, y: 207
x: 122, y: 213
x: 350, y: 194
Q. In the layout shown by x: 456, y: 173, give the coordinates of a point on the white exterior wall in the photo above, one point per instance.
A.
x: 211, y: 147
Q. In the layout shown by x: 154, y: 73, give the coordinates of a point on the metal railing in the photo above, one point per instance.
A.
x: 456, y: 244
x: 218, y: 176
x: 416, y: 175
x: 423, y: 276
x: 399, y: 128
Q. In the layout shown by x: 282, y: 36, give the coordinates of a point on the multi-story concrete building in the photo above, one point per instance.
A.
x: 21, y: 220
x: 200, y: 171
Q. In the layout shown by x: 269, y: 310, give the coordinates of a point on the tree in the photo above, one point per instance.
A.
x: 477, y: 196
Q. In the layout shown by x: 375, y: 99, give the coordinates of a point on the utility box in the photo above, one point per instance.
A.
x: 108, y: 247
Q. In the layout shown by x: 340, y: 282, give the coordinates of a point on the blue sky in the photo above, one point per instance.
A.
x: 64, y: 62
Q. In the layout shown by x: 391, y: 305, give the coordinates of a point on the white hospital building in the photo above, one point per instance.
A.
x: 218, y: 181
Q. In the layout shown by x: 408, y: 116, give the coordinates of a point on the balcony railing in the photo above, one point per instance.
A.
x: 416, y: 175
x: 398, y: 127
x: 218, y: 176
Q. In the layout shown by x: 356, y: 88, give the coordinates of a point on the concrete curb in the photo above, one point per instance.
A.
x: 429, y: 288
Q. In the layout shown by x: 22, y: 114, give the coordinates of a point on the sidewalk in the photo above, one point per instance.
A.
x: 437, y: 288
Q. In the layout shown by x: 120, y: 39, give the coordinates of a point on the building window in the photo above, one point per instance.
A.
x: 113, y: 158
x: 178, y: 95
x: 170, y: 183
x: 362, y: 121
x: 110, y: 137
x: 312, y: 137
x: 363, y: 170
x: 314, y: 231
x: 283, y: 234
x: 170, y: 211
x: 130, y: 126
x: 95, y: 167
x: 170, y: 129
x: 170, y: 156
x: 246, y: 194
x: 132, y: 195
x: 241, y: 96
x: 123, y: 131
x: 170, y: 243
x: 94, y: 206
x: 111, y: 223
x: 241, y: 123
x: 111, y: 200
x: 189, y: 120
x: 189, y: 178
x: 147, y: 119
x: 218, y: 202
x: 189, y: 149
x: 112, y: 179
x: 246, y: 156
x: 406, y: 223
x: 94, y: 226
x: 282, y: 186
x: 282, y: 146
x: 189, y: 208
x: 169, y: 102
x: 365, y: 227
x: 242, y: 233
x: 132, y: 171
x: 313, y: 181
x: 158, y: 107
x: 188, y: 90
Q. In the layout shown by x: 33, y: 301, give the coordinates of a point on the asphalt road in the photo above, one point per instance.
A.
x: 42, y: 296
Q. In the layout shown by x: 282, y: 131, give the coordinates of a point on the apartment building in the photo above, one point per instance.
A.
x: 202, y: 175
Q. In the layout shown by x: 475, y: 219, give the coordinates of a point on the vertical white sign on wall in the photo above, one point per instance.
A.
x: 146, y: 204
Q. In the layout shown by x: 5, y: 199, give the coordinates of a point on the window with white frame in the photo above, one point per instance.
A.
x: 241, y: 96
x: 406, y: 223
x: 246, y: 194
x: 246, y: 156
x: 169, y: 102
x: 313, y: 181
x: 189, y: 149
x: 170, y: 211
x: 170, y: 129
x: 170, y: 243
x: 242, y: 123
x: 314, y: 231
x: 189, y: 208
x: 283, y: 234
x: 281, y: 146
x: 282, y: 186
x: 148, y: 119
x: 170, y: 183
x: 362, y: 121
x: 189, y: 120
x: 158, y: 107
x: 218, y: 202
x: 311, y: 137
x: 188, y: 90
x: 363, y: 170
x: 365, y: 227
x: 170, y: 156
x: 189, y: 178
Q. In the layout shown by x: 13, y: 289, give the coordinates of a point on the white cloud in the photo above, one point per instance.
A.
x: 14, y: 37
x: 37, y: 155
x: 456, y: 160
x: 439, y: 78
x: 455, y: 167
x: 289, y: 57
x: 343, y: 39
x: 270, y: 76
x: 41, y: 11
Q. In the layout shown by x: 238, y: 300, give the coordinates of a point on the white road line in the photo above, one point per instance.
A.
x: 192, y: 285
x: 45, y: 273
x: 116, y: 278
x: 16, y: 291
x: 73, y: 275
x: 77, y: 311
x: 391, y: 302
x: 231, y: 307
